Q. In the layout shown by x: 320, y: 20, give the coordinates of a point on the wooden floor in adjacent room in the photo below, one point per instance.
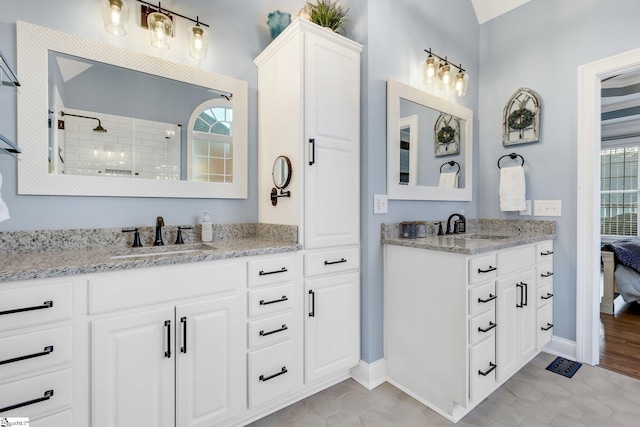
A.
x: 620, y: 339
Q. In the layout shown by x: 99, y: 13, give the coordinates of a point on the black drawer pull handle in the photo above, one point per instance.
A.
x: 340, y: 261
x: 282, y: 371
x: 47, y: 395
x: 46, y: 304
x: 491, y: 326
x: 266, y: 273
x: 488, y: 270
x: 183, y: 349
x: 546, y: 253
x: 47, y: 350
x: 283, y: 328
x: 491, y: 298
x: 284, y: 298
x: 546, y: 328
x: 492, y: 366
x: 547, y: 274
x: 167, y: 353
x: 548, y: 296
x: 312, y: 313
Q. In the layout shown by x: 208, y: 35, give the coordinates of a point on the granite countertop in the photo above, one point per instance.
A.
x: 481, y: 236
x: 84, y: 257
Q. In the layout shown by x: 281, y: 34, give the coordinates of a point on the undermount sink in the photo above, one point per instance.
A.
x: 153, y: 251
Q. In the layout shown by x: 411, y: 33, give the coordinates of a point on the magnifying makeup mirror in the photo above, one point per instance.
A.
x: 281, y: 173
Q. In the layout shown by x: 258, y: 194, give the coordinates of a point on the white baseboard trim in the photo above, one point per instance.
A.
x: 370, y: 375
x: 561, y: 347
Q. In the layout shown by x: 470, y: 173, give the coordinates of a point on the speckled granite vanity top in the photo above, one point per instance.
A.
x: 55, y: 253
x: 482, y: 235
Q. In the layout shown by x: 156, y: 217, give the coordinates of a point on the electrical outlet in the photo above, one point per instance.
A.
x: 379, y: 204
x: 547, y: 207
x: 527, y: 209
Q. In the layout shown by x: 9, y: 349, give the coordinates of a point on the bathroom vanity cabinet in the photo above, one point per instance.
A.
x: 458, y: 326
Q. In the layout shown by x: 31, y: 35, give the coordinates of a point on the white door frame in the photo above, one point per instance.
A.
x: 588, y: 216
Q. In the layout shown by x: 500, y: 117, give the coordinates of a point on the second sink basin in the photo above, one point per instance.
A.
x: 153, y: 251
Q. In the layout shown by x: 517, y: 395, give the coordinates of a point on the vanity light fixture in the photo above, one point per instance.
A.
x: 198, y: 41
x: 115, y: 14
x: 160, y: 29
x: 438, y: 70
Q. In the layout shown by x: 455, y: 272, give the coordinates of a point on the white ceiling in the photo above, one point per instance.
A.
x: 489, y: 9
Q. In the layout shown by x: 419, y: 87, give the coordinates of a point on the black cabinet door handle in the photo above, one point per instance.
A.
x: 521, y: 303
x: 183, y: 349
x: 284, y: 298
x: 282, y: 371
x: 490, y: 327
x: 488, y: 270
x: 526, y: 294
x: 167, y: 353
x: 313, y: 151
x: 491, y: 298
x: 546, y: 296
x: 546, y: 253
x: 340, y: 261
x: 47, y: 395
x: 275, y: 331
x: 547, y: 274
x: 546, y: 328
x: 312, y: 313
x: 47, y: 350
x: 266, y: 273
x: 46, y: 304
x: 492, y: 366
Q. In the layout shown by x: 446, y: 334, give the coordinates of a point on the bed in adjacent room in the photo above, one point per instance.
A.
x: 621, y: 262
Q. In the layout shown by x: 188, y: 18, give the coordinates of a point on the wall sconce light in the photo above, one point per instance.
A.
x: 159, y: 22
x: 438, y: 70
x: 115, y: 14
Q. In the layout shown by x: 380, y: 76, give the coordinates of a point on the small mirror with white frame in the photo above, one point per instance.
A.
x: 413, y: 169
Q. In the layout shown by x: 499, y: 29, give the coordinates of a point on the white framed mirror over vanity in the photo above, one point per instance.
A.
x: 429, y: 146
x: 123, y: 123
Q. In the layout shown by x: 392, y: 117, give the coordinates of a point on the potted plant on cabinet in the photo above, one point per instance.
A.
x: 327, y: 14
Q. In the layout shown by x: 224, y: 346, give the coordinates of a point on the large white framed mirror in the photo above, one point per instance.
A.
x: 429, y: 146
x: 122, y: 123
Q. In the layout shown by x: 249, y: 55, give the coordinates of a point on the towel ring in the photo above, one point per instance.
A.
x: 511, y: 156
x: 451, y: 163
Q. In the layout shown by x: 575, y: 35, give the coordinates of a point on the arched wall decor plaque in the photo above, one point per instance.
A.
x: 521, y: 118
x: 447, y: 135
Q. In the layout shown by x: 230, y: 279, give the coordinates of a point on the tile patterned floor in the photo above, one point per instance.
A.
x: 533, y: 397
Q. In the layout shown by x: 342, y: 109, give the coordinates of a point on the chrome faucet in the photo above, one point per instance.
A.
x: 159, y: 225
x: 459, y: 226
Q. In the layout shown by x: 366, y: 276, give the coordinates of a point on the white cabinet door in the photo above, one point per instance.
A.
x: 133, y: 370
x: 332, y: 325
x: 516, y: 322
x: 211, y: 378
x: 332, y: 128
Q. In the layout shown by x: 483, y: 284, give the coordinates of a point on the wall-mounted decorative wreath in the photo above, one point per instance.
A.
x: 447, y: 135
x: 521, y: 118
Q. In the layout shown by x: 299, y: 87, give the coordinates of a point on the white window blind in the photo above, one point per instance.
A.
x: 619, y: 191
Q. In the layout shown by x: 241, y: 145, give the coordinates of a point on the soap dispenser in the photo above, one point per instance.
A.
x: 207, y: 229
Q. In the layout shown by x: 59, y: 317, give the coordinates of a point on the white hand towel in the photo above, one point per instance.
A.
x: 512, y: 189
x: 448, y: 180
x: 4, y: 210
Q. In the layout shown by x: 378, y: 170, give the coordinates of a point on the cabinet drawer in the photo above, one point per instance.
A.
x: 544, y: 273
x: 34, y: 305
x: 333, y: 261
x: 482, y: 297
x: 272, y: 270
x: 544, y: 251
x: 61, y: 419
x: 45, y: 394
x: 482, y: 362
x: 120, y: 291
x: 482, y: 268
x: 516, y: 259
x: 271, y: 329
x: 482, y: 326
x: 545, y: 325
x: 24, y: 353
x: 270, y: 372
x: 544, y: 294
x: 270, y: 300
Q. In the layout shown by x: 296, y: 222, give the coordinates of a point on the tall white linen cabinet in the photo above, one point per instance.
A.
x: 309, y: 111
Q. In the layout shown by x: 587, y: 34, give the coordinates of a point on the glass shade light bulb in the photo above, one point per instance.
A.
x: 444, y: 76
x: 160, y: 30
x: 115, y: 14
x: 431, y: 69
x: 461, y: 83
x: 198, y: 42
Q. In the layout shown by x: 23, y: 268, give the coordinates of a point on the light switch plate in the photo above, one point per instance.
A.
x: 379, y: 204
x: 547, y: 208
x: 527, y: 209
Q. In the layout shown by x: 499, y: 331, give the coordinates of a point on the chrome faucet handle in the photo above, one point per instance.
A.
x: 179, y: 240
x: 136, y: 237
